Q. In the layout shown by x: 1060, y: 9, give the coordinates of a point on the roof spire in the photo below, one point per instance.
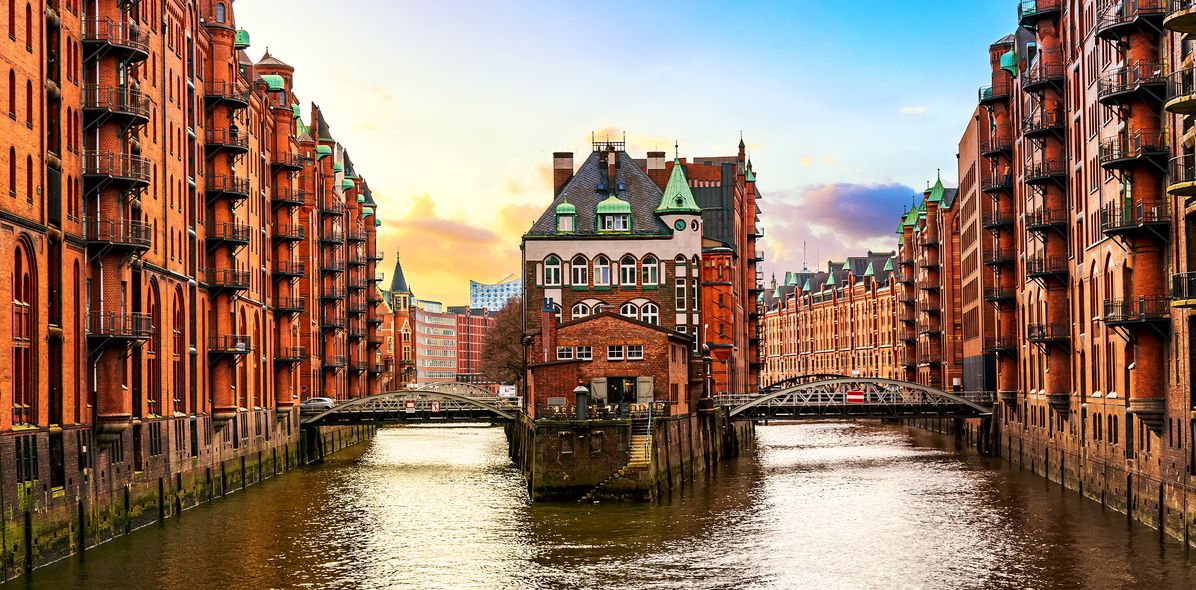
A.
x: 676, y: 151
x: 677, y: 197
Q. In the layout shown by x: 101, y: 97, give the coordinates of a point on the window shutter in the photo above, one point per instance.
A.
x: 643, y: 390
x: 598, y: 389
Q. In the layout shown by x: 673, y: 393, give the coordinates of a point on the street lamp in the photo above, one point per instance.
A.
x: 581, y: 394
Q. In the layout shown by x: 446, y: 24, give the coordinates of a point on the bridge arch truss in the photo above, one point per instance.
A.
x: 428, y: 403
x: 823, y: 397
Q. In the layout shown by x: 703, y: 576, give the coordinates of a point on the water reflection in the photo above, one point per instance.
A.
x: 819, y: 506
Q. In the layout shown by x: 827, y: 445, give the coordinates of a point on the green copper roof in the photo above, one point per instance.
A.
x: 377, y: 222
x: 790, y: 279
x: 360, y: 198
x: 911, y: 217
x: 1009, y: 62
x: 870, y: 272
x: 749, y: 175
x: 566, y: 208
x: 889, y: 265
x: 242, y: 40
x: 936, y: 193
x: 807, y: 287
x: 366, y: 212
x: 921, y: 208
x: 337, y: 167
x: 346, y: 184
x: 614, y: 205
x: 677, y: 197
x: 323, y: 150
x: 274, y: 82
x: 295, y: 111
x: 830, y: 280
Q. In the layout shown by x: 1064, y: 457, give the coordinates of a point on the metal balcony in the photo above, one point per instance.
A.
x: 119, y: 234
x: 1143, y: 311
x: 356, y: 235
x: 1000, y: 145
x: 1124, y: 151
x: 1041, y: 123
x: 228, y: 279
x: 1183, y: 175
x: 333, y: 265
x: 1152, y: 218
x: 998, y: 295
x: 1030, y: 12
x: 231, y: 187
x: 993, y: 220
x: 1141, y: 81
x: 288, y: 161
x: 1057, y: 333
x: 289, y: 305
x: 120, y: 104
x: 356, y: 366
x: 374, y: 321
x: 1045, y: 72
x: 1183, y: 289
x: 995, y: 183
x: 998, y: 345
x: 229, y: 344
x: 331, y: 321
x: 284, y: 197
x: 332, y: 237
x: 1044, y: 171
x: 1181, y: 16
x: 356, y: 308
x: 930, y: 359
x: 355, y: 259
x: 225, y: 140
x: 994, y: 93
x: 332, y: 207
x: 928, y: 261
x: 228, y: 233
x: 290, y: 269
x: 374, y: 298
x: 226, y: 93
x: 1181, y: 92
x: 1046, y: 219
x: 289, y: 355
x: 289, y: 233
x: 120, y: 326
x: 1128, y: 16
x: 103, y: 36
x: 115, y: 169
x: 1040, y: 267
x: 332, y: 294
x: 358, y: 283
x: 334, y: 361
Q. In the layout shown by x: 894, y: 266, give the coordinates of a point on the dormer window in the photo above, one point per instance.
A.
x: 620, y: 222
x: 564, y: 224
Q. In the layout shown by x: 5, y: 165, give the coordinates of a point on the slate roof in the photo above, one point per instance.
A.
x: 270, y: 60
x: 398, y: 283
x: 582, y: 191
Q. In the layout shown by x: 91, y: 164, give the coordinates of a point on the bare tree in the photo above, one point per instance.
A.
x: 502, y: 355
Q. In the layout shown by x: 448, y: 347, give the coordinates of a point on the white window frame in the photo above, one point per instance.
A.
x: 584, y: 353
x: 601, y: 271
x: 552, y: 271
x: 564, y: 353
x: 580, y: 310
x: 650, y: 314
x: 650, y: 269
x: 635, y: 352
x: 679, y: 294
x: 627, y: 273
x: 630, y: 310
x: 580, y: 273
x: 614, y: 353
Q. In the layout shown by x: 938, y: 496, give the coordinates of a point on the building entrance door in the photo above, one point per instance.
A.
x: 620, y: 390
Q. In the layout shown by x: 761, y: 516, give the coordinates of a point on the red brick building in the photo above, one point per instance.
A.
x: 163, y: 250
x: 472, y: 327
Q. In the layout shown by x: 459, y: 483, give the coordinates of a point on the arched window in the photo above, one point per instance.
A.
x: 12, y: 19
x: 580, y: 310
x: 28, y: 103
x: 580, y: 271
x: 178, y: 329
x: 552, y: 271
x: 627, y: 271
x: 601, y: 271
x: 28, y: 26
x: 23, y: 325
x: 650, y: 270
x: 12, y: 172
x: 556, y: 311
x: 629, y: 310
x: 220, y: 12
x: 650, y: 314
x: 12, y: 94
x: 29, y: 178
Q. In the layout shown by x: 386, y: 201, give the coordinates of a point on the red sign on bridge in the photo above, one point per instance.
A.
x: 855, y: 397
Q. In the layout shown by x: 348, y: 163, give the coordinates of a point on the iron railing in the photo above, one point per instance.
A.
x: 1146, y: 308
x: 115, y: 324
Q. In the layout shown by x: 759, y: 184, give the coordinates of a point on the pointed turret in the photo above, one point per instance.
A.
x: 936, y: 191
x: 677, y: 198
x: 398, y: 282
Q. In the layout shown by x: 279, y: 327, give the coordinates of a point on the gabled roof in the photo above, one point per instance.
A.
x: 677, y: 197
x: 582, y: 191
x: 270, y: 60
x: 615, y: 315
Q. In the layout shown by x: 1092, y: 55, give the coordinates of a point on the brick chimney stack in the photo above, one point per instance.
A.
x: 548, y: 330
x: 562, y: 170
x: 612, y: 161
x: 657, y: 170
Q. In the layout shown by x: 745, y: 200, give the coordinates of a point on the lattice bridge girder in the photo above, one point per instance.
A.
x: 431, y: 403
x: 824, y: 397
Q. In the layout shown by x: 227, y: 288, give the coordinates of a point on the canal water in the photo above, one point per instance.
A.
x: 822, y: 505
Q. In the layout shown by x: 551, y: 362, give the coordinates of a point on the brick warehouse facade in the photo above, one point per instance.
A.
x: 1077, y: 277
x: 178, y: 240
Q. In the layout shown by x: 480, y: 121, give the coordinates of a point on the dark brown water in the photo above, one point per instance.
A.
x: 818, y: 506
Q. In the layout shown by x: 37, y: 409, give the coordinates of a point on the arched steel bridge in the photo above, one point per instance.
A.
x: 825, y: 397
x: 429, y: 403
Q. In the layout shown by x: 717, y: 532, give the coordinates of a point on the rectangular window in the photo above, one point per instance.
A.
x: 584, y: 353
x: 614, y: 353
x: 680, y: 294
x: 635, y: 352
x: 564, y: 353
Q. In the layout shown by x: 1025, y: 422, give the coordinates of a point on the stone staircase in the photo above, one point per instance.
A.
x: 640, y: 447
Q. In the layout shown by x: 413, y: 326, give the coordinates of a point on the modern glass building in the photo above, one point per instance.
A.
x: 494, y: 296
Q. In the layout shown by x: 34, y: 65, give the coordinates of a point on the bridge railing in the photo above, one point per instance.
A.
x: 734, y: 400
x: 656, y: 409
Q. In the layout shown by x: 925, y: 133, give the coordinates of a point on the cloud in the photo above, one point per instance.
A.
x: 833, y: 221
x: 913, y: 110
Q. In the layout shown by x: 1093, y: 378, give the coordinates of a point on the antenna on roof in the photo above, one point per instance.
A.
x: 804, y: 266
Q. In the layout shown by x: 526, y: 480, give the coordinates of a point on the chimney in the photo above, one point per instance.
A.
x: 612, y: 163
x: 548, y: 330
x: 562, y: 170
x: 657, y: 170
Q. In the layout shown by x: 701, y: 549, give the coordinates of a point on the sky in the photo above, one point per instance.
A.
x: 451, y: 109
